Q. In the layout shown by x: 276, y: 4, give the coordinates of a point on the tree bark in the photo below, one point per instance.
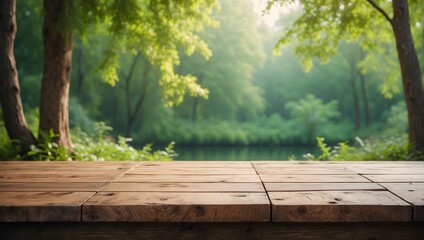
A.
x: 56, y: 73
x: 353, y: 67
x: 411, y: 73
x: 80, y: 73
x: 10, y: 98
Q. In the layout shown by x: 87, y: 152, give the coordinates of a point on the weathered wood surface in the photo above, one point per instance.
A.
x: 297, y: 187
x: 213, y: 231
x: 313, y: 178
x: 65, y: 177
x: 412, y: 193
x: 339, y: 206
x: 51, y: 186
x: 42, y: 206
x: 184, y: 187
x: 212, y: 191
x: 303, y: 171
x: 177, y: 207
x: 396, y: 178
x: 163, y: 170
x: 179, y: 178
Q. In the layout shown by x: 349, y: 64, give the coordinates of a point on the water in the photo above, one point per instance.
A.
x: 238, y: 153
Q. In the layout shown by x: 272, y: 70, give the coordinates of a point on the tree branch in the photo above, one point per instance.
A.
x: 381, y: 11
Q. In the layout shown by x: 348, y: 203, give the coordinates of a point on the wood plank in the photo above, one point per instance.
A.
x: 298, y: 187
x: 390, y: 171
x: 41, y: 206
x: 91, y: 171
x: 338, y: 164
x: 76, y: 177
x: 51, y: 187
x: 396, y: 178
x: 188, y: 178
x: 176, y: 207
x: 58, y: 164
x: 313, y: 178
x: 197, y: 164
x: 339, y: 206
x: 184, y: 187
x: 412, y: 193
x: 185, y: 171
x: 213, y: 231
x: 303, y: 171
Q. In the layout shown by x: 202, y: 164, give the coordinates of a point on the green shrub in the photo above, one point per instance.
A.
x: 394, y: 148
x: 99, y: 147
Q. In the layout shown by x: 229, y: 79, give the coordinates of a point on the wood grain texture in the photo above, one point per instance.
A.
x: 74, y: 178
x: 181, y: 170
x: 41, y: 206
x: 213, y: 231
x: 166, y: 178
x: 412, y: 193
x: 396, y: 178
x: 177, y: 207
x: 51, y: 187
x: 199, y: 164
x: 313, y: 178
x: 299, y: 187
x: 65, y: 164
x: 389, y: 170
x: 303, y: 171
x: 339, y: 206
x: 184, y: 187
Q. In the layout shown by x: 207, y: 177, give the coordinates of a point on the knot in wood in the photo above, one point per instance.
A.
x: 199, y: 211
x: 302, y: 210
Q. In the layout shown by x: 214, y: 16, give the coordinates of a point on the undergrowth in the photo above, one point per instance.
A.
x: 98, y: 147
x: 394, y: 148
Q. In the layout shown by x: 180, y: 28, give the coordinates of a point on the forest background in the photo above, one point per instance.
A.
x: 255, y: 97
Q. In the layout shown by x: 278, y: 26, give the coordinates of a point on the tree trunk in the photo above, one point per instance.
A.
x: 128, y: 78
x: 56, y: 74
x: 353, y: 67
x: 411, y: 73
x: 355, y: 103
x: 365, y: 98
x: 80, y: 73
x: 10, y: 98
x: 195, y: 105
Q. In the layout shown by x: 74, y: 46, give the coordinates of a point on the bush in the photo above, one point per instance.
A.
x: 394, y: 148
x: 101, y: 147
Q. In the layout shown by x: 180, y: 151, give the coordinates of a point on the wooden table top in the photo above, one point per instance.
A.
x: 219, y: 191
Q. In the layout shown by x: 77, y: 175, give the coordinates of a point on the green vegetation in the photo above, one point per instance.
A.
x: 203, y: 72
x: 99, y: 147
x: 394, y: 148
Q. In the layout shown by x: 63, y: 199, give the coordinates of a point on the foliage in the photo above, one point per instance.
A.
x: 397, y: 121
x: 310, y: 112
x: 103, y: 147
x: 266, y: 131
x: 321, y: 25
x: 248, y: 86
x: 9, y: 150
x: 156, y: 28
x: 87, y: 148
x: 394, y: 148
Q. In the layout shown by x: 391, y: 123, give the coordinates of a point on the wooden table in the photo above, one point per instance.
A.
x: 212, y: 200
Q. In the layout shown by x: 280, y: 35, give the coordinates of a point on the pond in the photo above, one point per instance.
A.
x: 241, y: 153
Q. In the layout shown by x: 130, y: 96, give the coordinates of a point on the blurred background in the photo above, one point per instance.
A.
x: 261, y: 106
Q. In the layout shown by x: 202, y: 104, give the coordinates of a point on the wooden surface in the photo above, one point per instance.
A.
x: 177, y: 207
x: 222, y: 191
x: 212, y: 231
